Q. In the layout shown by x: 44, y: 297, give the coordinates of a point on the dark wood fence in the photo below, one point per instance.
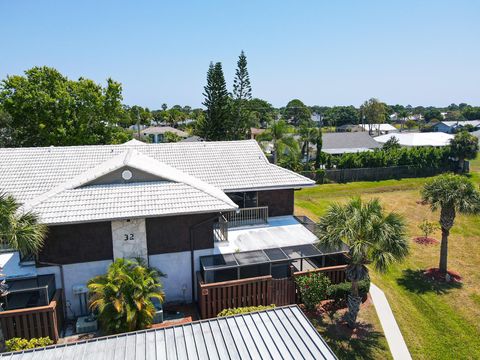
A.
x: 262, y: 290
x: 34, y: 322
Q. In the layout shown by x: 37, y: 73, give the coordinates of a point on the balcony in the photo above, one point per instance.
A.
x: 243, y: 217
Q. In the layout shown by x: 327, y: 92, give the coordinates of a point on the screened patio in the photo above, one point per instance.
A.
x: 278, y: 262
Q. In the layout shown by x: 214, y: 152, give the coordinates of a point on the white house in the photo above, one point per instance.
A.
x: 417, y: 139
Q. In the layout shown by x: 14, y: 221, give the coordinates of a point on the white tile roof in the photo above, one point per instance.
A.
x: 375, y: 127
x: 192, y: 177
x: 418, y: 139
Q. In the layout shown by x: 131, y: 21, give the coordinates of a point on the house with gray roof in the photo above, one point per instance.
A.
x: 157, y: 133
x: 450, y: 127
x: 169, y: 204
x: 348, y: 142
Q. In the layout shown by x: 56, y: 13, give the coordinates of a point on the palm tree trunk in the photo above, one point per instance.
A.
x: 444, y: 251
x: 461, y: 164
x: 354, y: 301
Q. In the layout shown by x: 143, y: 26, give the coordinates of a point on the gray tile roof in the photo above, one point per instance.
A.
x: 341, y: 142
x: 281, y: 333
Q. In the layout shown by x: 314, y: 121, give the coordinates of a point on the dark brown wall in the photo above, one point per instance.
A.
x: 172, y: 234
x: 279, y: 202
x: 68, y: 244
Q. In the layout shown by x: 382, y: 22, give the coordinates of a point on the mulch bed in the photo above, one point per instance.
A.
x: 422, y: 240
x: 435, y: 274
x: 420, y: 202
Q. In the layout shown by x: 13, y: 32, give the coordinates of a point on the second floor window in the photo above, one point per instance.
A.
x: 244, y: 199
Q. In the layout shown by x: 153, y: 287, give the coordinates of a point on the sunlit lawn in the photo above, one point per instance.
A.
x: 438, y: 322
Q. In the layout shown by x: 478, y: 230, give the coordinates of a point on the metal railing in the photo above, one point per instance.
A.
x: 220, y: 229
x: 247, y: 216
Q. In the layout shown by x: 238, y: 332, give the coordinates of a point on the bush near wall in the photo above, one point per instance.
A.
x: 17, y: 344
x: 339, y: 292
x: 244, y: 310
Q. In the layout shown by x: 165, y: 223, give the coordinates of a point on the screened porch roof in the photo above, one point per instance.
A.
x: 270, y: 255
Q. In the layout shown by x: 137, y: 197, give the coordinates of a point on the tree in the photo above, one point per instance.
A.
x: 296, y: 112
x: 7, y: 131
x: 432, y: 114
x: 242, y: 92
x: 403, y: 115
x: 164, y: 107
x: 217, y: 122
x: 261, y: 112
x: 308, y: 135
x: 341, y: 115
x: 374, y: 112
x: 123, y: 296
x: 319, y: 144
x: 279, y: 133
x: 49, y: 109
x: 410, y: 124
x: 451, y: 194
x: 20, y: 230
x: 373, y: 237
x: 464, y: 146
x: 391, y: 144
x: 427, y: 227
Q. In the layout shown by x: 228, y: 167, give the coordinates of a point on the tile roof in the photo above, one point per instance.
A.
x: 418, y: 139
x: 341, y: 142
x: 163, y: 130
x: 280, y: 333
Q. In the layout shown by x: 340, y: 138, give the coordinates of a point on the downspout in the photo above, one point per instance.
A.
x: 62, y: 280
x: 192, y: 250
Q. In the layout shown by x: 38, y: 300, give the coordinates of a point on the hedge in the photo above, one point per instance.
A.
x: 244, y: 310
x: 17, y: 344
x: 340, y: 291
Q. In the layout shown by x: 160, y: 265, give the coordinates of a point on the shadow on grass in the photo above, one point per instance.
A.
x: 361, y: 343
x: 416, y: 282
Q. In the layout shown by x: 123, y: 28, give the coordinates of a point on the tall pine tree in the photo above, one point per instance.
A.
x: 216, y: 125
x: 242, y: 92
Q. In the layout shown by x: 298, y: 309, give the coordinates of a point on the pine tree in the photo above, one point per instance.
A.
x: 242, y: 92
x: 216, y: 125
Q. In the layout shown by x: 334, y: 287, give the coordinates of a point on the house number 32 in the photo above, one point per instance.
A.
x: 128, y: 237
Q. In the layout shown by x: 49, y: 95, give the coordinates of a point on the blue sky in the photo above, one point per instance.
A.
x: 323, y: 52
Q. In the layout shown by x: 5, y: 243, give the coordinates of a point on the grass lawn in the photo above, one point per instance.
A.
x: 438, y: 322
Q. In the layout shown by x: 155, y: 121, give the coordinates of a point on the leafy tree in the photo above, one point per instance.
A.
x: 403, y: 115
x: 410, y: 124
x: 7, y: 131
x: 341, y: 115
x: 391, y: 143
x: 471, y: 113
x: 261, y: 112
x: 454, y: 116
x: 451, y: 194
x: 217, y: 122
x: 171, y: 137
x: 123, y: 296
x: 432, y: 114
x: 242, y: 92
x: 279, y: 133
x: 20, y: 230
x: 296, y: 112
x: 47, y: 109
x: 464, y: 146
x: 374, y: 112
x: 372, y: 236
x: 427, y: 227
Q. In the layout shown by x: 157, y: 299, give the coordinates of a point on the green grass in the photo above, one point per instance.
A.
x: 438, y: 322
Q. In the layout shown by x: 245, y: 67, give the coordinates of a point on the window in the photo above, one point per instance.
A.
x: 244, y: 199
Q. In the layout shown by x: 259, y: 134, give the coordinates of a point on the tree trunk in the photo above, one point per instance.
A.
x: 444, y: 251
x: 354, y: 301
x: 461, y: 164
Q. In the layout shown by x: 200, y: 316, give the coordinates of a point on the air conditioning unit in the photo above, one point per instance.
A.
x: 158, y: 318
x: 81, y: 292
x: 86, y: 324
x: 79, y: 289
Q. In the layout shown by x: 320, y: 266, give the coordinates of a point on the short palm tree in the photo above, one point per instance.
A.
x: 280, y: 135
x: 464, y: 146
x: 372, y: 236
x: 123, y: 296
x: 20, y: 230
x: 451, y: 194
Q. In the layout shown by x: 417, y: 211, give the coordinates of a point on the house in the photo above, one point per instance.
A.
x: 348, y: 142
x: 279, y: 333
x: 418, y: 139
x: 349, y: 128
x: 157, y: 133
x: 171, y: 204
x: 379, y: 128
x: 451, y: 127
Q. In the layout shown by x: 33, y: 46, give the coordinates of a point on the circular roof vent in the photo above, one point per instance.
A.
x: 127, y: 175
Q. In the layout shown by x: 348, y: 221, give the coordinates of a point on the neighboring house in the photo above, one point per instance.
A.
x: 349, y: 128
x: 254, y: 132
x: 280, y: 333
x: 157, y: 133
x: 418, y: 139
x: 193, y: 138
x: 348, y: 142
x: 379, y: 128
x: 451, y: 127
x: 169, y: 204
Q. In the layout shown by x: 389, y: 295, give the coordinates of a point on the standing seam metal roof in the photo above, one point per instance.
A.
x: 280, y: 333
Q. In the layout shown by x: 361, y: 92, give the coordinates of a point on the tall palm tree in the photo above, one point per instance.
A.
x: 279, y: 133
x: 451, y: 194
x: 19, y: 230
x: 402, y: 114
x: 372, y: 236
x: 308, y: 135
x: 123, y: 296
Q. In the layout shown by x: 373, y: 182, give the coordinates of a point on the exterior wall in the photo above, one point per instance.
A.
x: 172, y: 234
x: 440, y: 127
x: 129, y: 238
x: 279, y: 202
x: 69, y: 244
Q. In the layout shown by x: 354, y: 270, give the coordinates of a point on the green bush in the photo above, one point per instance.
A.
x: 244, y: 310
x: 320, y: 176
x: 17, y: 344
x: 313, y: 289
x: 339, y: 292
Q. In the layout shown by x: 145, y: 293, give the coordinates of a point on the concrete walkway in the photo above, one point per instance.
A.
x: 394, y: 337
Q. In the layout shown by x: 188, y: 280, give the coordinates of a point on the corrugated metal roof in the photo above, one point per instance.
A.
x: 280, y: 333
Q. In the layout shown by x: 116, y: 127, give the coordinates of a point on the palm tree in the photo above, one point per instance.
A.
x: 464, y: 146
x: 279, y: 133
x: 402, y: 114
x: 451, y: 194
x: 308, y: 135
x: 123, y: 296
x: 19, y: 230
x: 372, y: 236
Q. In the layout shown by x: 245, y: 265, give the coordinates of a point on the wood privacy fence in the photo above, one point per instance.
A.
x: 34, y: 322
x: 262, y: 290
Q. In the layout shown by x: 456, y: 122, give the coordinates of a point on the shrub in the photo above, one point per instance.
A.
x: 313, y: 289
x: 243, y: 310
x: 320, y: 176
x: 17, y: 344
x: 339, y: 292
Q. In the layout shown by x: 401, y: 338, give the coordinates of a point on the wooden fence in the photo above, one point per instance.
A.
x: 34, y: 322
x: 262, y: 290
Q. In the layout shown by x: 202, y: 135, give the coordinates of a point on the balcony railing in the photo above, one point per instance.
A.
x: 247, y: 216
x: 220, y: 229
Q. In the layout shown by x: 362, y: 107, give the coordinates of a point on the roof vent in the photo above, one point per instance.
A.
x: 126, y: 175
